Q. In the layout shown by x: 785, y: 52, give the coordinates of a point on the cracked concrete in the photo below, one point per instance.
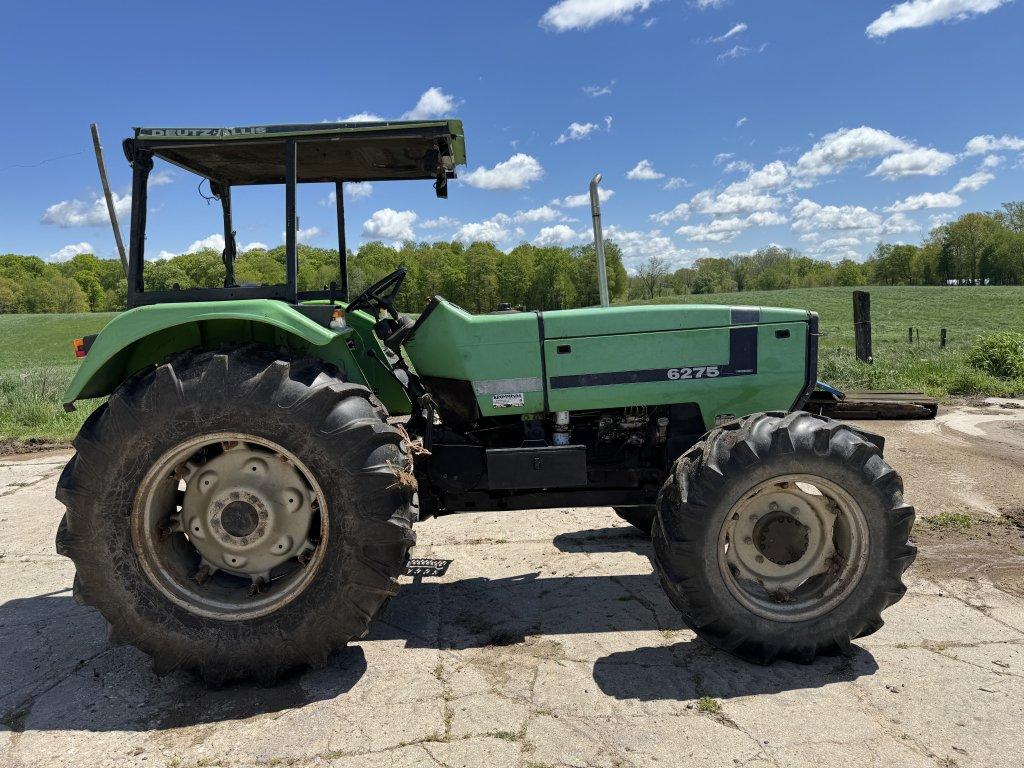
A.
x: 548, y: 643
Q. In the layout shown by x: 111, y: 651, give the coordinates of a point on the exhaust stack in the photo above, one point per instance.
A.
x: 595, y: 210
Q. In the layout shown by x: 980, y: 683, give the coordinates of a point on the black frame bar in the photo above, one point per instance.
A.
x: 291, y: 253
x: 339, y: 198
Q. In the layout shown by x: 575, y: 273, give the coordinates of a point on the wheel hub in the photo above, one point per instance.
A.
x: 792, y: 546
x: 246, y: 511
x: 781, y: 538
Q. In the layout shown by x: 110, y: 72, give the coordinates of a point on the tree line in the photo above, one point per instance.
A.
x: 975, y: 249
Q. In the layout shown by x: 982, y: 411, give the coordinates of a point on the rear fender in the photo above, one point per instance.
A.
x: 145, y: 336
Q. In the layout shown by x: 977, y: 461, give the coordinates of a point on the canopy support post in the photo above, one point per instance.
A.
x: 339, y: 197
x: 142, y: 164
x: 230, y: 252
x: 291, y: 254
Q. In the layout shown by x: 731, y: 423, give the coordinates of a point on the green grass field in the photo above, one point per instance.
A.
x: 36, y: 360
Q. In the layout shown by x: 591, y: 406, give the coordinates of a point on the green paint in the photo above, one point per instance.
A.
x: 145, y: 336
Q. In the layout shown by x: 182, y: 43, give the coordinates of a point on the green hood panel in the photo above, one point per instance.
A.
x: 604, y: 321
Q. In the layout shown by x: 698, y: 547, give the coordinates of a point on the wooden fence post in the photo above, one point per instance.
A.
x: 862, y: 325
x: 942, y: 337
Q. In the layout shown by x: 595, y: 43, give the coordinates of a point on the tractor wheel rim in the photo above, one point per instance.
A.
x: 230, y: 526
x: 793, y: 547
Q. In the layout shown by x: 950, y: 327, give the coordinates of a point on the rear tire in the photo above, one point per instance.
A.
x: 134, y: 567
x: 641, y: 518
x: 706, y: 532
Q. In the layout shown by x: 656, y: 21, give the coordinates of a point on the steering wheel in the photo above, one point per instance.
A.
x: 381, y: 295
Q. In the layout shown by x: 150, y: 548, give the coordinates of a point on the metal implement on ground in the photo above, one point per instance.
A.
x: 242, y: 502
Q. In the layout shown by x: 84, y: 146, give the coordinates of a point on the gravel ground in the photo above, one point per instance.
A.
x: 549, y: 643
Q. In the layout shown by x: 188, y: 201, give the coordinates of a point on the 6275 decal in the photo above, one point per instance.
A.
x: 696, y: 372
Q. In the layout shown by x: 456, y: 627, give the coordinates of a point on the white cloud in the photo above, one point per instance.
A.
x: 637, y: 247
x: 681, y: 211
x: 70, y: 251
x: 441, y: 222
x: 363, y: 117
x: 765, y: 219
x: 725, y: 230
x: 717, y: 231
x: 899, y: 223
x: 741, y: 121
x: 559, y: 234
x: 973, y: 183
x: 433, y: 103
x: 705, y: 4
x: 214, y: 242
x: 543, y: 213
x: 992, y: 161
x: 732, y: 201
x: 738, y: 51
x: 518, y: 172
x: 598, y: 90
x: 578, y: 201
x: 255, y: 246
x: 389, y: 224
x: 838, y: 149
x: 809, y: 215
x: 494, y: 230
x: 922, y: 13
x: 981, y: 144
x: 78, y: 213
x: 837, y: 248
x: 576, y: 132
x: 774, y: 174
x: 938, y: 219
x: 737, y: 165
x: 722, y: 157
x: 583, y: 14
x: 307, y: 234
x: 644, y: 171
x: 161, y: 178
x: 920, y: 161
x: 358, y: 190
x: 924, y: 201
x: 676, y: 182
x: 354, y: 190
x: 737, y: 29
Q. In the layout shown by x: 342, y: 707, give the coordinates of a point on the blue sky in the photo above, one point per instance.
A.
x: 719, y: 125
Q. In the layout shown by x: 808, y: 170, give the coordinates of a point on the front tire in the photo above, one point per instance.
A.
x: 783, y: 536
x: 237, y: 514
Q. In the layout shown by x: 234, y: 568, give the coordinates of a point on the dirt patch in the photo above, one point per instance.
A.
x: 971, y: 546
x: 11, y: 447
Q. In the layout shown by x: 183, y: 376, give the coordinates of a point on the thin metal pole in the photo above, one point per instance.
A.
x: 339, y: 197
x: 291, y: 254
x: 595, y: 210
x: 98, y: 148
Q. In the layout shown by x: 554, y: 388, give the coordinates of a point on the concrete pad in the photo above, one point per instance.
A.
x: 548, y: 643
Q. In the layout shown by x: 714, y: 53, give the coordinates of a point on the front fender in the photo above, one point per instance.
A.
x: 145, y: 336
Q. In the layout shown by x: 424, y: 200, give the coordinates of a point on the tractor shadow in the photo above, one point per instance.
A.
x: 58, y: 672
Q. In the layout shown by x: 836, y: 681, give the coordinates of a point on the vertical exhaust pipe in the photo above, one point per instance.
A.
x: 595, y: 211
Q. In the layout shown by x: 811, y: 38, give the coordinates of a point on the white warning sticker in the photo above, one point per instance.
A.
x: 509, y: 400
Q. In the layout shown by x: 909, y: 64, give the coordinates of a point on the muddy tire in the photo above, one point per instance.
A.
x: 783, y: 536
x: 327, y: 517
x: 641, y: 518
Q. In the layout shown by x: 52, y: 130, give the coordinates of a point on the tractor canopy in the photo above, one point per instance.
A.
x: 289, y: 155
x: 381, y: 151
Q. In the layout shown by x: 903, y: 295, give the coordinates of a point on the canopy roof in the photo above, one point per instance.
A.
x: 379, y: 151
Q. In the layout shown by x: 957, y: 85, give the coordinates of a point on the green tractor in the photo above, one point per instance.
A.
x: 243, y: 501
